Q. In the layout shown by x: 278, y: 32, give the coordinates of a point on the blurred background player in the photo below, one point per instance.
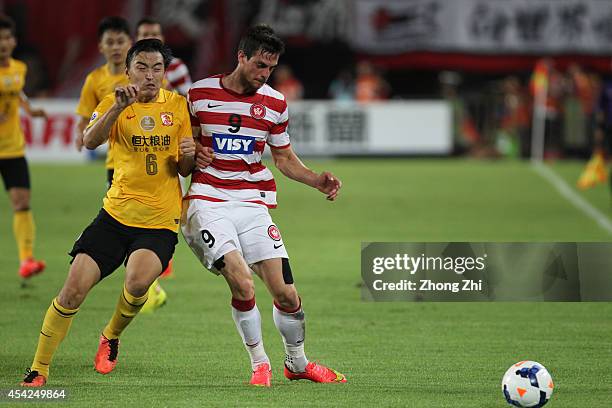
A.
x: 595, y: 171
x: 177, y: 73
x: 179, y: 80
x: 227, y: 223
x: 114, y: 41
x: 138, y: 223
x: 13, y: 164
x: 287, y: 84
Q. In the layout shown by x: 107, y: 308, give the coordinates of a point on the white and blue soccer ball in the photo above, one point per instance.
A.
x: 527, y: 384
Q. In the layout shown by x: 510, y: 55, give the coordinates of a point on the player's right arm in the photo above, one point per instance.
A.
x: 204, y: 155
x: 80, y: 128
x: 87, y: 104
x: 100, y: 126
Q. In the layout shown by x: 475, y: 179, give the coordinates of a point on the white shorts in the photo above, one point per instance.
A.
x: 213, y: 229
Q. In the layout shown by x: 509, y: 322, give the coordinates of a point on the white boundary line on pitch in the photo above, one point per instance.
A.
x: 570, y: 195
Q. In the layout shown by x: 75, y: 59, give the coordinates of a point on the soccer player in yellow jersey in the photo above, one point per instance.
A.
x: 149, y: 131
x: 13, y: 164
x: 113, y: 42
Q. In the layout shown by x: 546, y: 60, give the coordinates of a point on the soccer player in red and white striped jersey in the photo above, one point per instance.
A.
x: 227, y: 223
x: 177, y: 73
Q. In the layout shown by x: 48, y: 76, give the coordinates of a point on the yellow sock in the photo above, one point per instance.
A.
x: 128, y: 306
x: 23, y: 228
x: 54, y: 328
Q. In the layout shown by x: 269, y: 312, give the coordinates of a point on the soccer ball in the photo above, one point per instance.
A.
x: 527, y: 384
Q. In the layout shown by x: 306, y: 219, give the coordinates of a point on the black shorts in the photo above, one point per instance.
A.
x: 15, y: 173
x: 110, y: 243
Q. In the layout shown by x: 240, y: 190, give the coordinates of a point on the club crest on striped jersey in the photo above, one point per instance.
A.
x: 166, y: 118
x: 147, y: 123
x: 233, y: 144
x: 274, y: 233
x: 258, y: 111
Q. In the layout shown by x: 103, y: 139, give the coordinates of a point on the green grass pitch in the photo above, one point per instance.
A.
x: 394, y: 354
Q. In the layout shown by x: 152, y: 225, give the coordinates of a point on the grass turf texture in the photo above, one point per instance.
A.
x: 394, y: 354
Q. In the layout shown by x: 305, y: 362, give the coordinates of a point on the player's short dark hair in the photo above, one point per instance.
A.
x: 147, y: 20
x: 149, y: 45
x: 113, y: 23
x: 7, y: 23
x: 261, y: 37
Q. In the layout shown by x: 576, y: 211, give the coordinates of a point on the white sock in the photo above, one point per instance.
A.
x: 292, y: 328
x: 248, y: 323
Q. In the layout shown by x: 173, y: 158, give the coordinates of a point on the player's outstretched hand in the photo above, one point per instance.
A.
x: 205, y: 156
x: 187, y: 147
x: 126, y: 95
x: 329, y: 184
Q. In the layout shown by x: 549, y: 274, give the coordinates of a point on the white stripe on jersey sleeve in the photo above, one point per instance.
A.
x: 269, y: 91
x: 279, y: 140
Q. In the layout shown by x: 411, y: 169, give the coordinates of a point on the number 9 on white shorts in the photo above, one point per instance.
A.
x: 214, y: 229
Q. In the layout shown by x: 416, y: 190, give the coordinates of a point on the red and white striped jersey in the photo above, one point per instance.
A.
x: 178, y: 76
x: 237, y: 127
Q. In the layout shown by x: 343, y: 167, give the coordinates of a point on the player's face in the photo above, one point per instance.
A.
x: 149, y: 31
x: 257, y: 69
x: 7, y: 43
x: 147, y: 71
x: 114, y: 45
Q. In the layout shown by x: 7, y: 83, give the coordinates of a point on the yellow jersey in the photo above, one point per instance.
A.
x: 12, y: 80
x: 145, y: 142
x: 99, y: 83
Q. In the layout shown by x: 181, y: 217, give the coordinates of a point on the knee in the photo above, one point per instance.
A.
x: 71, y: 297
x: 136, y: 286
x: 288, y: 299
x: 20, y: 202
x: 242, y: 286
x: 244, y: 289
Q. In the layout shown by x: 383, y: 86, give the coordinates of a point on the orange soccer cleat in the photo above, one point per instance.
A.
x: 262, y: 375
x: 317, y: 373
x: 33, y: 379
x: 106, y: 357
x: 30, y: 267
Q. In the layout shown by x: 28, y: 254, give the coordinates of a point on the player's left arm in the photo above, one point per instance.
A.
x: 187, y: 144
x: 25, y: 104
x: 291, y: 166
x: 187, y: 150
